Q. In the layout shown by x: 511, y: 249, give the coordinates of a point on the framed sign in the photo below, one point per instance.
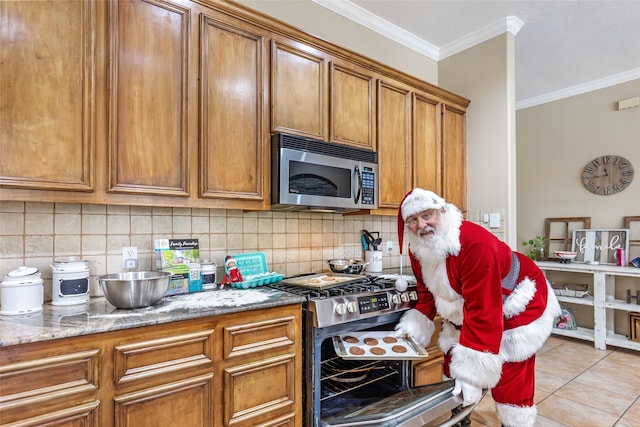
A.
x: 599, y: 245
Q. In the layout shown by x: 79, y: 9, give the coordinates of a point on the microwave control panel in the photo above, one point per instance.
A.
x: 368, y: 186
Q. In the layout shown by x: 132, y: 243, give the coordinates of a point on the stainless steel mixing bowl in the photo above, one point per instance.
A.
x: 134, y: 289
x: 347, y: 266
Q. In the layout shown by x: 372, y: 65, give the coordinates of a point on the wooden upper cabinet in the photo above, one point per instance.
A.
x: 148, y: 129
x: 298, y: 89
x: 47, y: 90
x: 394, y: 143
x: 426, y: 144
x: 454, y: 156
x: 351, y: 106
x: 234, y: 143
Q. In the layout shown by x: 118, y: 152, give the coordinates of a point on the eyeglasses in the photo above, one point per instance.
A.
x: 425, y: 217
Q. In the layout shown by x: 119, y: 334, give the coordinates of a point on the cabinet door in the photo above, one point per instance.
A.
x: 394, y: 143
x: 148, y: 147
x: 426, y: 144
x: 351, y: 106
x: 298, y: 90
x: 454, y: 157
x: 234, y: 122
x: 47, y: 120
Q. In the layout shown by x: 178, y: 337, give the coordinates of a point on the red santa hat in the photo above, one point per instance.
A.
x: 416, y: 201
x: 228, y: 260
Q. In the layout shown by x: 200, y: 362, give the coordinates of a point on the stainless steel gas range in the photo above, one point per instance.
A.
x: 341, y: 391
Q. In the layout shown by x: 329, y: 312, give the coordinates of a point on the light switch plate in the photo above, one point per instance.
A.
x: 494, y: 220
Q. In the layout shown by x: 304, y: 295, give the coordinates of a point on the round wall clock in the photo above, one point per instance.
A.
x: 608, y: 174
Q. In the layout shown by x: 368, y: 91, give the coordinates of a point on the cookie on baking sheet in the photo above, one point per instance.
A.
x: 378, y: 351
x: 390, y: 339
x: 399, y: 349
x: 356, y: 351
x: 350, y: 339
x: 370, y: 341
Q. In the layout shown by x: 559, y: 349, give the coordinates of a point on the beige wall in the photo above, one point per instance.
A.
x: 554, y: 143
x: 484, y: 74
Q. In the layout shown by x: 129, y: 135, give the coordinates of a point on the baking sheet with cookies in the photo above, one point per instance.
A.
x: 377, y: 345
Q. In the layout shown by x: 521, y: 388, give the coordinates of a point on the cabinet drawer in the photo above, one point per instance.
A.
x: 155, y: 358
x: 47, y: 384
x: 254, y: 337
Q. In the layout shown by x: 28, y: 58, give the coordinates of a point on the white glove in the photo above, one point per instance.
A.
x: 417, y: 326
x: 470, y: 393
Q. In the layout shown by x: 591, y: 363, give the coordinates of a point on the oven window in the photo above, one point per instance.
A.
x: 354, y: 383
x: 319, y: 180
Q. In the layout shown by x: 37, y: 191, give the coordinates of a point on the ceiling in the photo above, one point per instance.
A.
x: 562, y: 47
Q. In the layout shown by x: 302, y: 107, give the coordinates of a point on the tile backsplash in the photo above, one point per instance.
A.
x: 36, y: 234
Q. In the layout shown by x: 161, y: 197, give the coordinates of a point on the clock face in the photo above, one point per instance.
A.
x: 608, y: 174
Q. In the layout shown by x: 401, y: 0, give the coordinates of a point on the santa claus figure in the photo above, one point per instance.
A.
x: 496, y: 305
x: 233, y: 272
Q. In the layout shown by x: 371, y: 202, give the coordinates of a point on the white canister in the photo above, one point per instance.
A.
x: 374, y: 259
x: 22, y: 292
x: 209, y: 275
x: 70, y: 282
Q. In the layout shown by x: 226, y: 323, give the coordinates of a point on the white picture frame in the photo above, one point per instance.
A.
x: 599, y: 245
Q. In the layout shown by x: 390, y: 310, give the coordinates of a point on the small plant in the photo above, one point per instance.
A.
x: 536, y: 247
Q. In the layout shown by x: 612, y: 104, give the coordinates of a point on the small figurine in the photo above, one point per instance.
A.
x: 233, y: 274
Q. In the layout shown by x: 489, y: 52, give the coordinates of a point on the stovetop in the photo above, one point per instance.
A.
x: 342, y: 303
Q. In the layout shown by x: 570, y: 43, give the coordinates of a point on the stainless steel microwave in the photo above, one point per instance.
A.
x: 309, y: 174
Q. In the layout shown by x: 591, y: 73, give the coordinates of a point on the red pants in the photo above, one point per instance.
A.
x: 517, y: 382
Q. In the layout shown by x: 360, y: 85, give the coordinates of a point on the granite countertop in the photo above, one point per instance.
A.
x: 98, y: 315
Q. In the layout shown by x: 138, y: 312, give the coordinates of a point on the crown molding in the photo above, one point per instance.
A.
x: 381, y: 26
x: 580, y: 89
x: 510, y: 24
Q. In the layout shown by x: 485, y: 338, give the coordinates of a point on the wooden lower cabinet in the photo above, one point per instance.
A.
x: 430, y: 371
x: 241, y: 369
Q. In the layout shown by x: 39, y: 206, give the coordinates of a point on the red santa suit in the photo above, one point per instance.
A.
x: 496, y: 305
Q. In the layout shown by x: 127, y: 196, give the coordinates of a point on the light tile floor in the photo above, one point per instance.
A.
x: 579, y: 386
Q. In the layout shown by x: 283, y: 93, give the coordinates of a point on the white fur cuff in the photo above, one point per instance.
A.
x: 416, y: 325
x: 516, y: 416
x: 479, y: 368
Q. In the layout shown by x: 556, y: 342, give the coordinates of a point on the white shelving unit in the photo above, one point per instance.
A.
x: 603, y: 302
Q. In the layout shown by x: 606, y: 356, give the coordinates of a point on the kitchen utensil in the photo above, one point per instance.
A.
x: 376, y: 243
x: 134, y: 289
x: 365, y: 244
x: 368, y: 237
x: 22, y: 291
x: 347, y: 266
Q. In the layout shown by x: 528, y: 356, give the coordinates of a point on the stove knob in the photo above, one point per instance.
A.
x: 352, y: 307
x: 404, y: 297
x: 395, y: 298
x: 341, y: 309
x: 413, y: 296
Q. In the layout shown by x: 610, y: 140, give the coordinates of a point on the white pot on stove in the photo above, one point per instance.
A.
x: 70, y: 282
x: 21, y: 292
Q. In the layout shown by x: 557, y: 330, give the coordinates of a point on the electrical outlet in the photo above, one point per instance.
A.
x: 130, y: 257
x: 389, y: 246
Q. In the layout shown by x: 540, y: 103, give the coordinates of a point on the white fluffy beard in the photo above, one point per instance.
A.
x: 442, y: 242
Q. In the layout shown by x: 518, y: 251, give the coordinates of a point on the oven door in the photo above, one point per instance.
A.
x: 430, y: 405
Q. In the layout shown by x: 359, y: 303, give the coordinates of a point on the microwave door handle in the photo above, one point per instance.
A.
x: 357, y: 184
